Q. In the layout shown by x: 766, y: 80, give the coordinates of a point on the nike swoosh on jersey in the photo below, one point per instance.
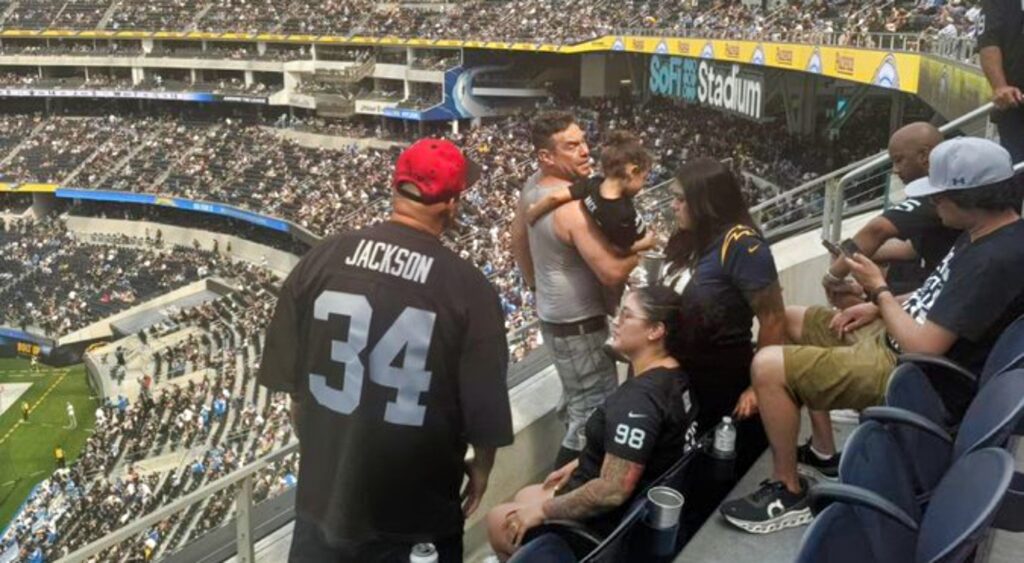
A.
x: 632, y: 414
x: 753, y: 249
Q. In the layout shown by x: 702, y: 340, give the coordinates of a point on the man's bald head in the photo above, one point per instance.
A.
x: 909, y: 148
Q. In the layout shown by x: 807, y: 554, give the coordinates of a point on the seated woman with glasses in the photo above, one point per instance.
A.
x: 641, y: 430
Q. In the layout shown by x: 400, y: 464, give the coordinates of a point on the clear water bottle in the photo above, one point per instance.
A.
x: 423, y: 553
x: 725, y: 439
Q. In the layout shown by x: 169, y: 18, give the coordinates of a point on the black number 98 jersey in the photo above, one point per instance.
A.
x: 396, y: 349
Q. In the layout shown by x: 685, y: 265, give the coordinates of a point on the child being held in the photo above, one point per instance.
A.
x: 609, y: 200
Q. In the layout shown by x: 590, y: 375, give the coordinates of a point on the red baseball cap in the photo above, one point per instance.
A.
x: 437, y: 168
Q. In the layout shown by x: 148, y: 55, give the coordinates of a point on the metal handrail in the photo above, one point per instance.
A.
x: 242, y: 476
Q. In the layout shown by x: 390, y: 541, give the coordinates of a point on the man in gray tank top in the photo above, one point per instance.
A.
x: 568, y: 263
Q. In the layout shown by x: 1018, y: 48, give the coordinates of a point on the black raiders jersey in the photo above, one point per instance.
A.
x: 617, y: 218
x: 1002, y: 25
x: 650, y: 420
x: 396, y: 350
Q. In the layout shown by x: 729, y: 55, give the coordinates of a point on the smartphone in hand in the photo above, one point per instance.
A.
x: 847, y: 248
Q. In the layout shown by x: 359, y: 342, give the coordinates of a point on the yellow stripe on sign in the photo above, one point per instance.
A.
x: 38, y: 188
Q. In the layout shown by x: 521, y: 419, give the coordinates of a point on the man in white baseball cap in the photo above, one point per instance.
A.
x: 843, y: 360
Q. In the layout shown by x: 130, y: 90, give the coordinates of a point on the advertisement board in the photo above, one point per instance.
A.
x: 129, y: 95
x: 373, y: 107
x: 729, y: 87
x: 895, y: 70
x: 179, y: 203
x: 950, y: 88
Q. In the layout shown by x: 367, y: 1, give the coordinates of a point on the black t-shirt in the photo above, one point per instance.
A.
x: 396, y: 349
x: 617, y: 218
x: 917, y: 222
x: 648, y: 420
x: 1003, y: 26
x: 975, y: 293
x: 737, y: 264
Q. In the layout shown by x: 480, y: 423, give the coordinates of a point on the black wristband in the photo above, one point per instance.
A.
x: 874, y: 294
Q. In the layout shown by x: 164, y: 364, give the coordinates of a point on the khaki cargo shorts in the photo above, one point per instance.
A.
x: 826, y: 372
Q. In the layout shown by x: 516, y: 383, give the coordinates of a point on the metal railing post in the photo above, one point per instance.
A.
x: 831, y: 189
x: 243, y: 522
x: 837, y: 212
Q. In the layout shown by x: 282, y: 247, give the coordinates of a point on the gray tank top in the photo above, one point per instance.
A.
x: 567, y: 289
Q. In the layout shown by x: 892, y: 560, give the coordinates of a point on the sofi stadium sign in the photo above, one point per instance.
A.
x: 725, y: 86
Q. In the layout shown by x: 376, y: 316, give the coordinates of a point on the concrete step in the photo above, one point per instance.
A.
x: 717, y: 541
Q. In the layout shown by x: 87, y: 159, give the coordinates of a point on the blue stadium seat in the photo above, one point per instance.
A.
x: 546, y: 548
x: 991, y: 418
x: 911, y: 389
x: 592, y: 547
x: 1007, y: 354
x: 873, y: 460
x: 950, y: 381
x: 616, y: 546
x: 855, y: 524
x: 964, y: 505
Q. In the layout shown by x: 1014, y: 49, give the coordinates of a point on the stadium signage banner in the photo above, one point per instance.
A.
x: 726, y: 87
x: 128, y: 95
x: 371, y: 107
x: 179, y: 203
x: 18, y: 343
x: 399, y: 113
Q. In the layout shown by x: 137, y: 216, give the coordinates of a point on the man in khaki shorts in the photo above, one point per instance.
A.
x: 842, y: 360
x: 832, y: 366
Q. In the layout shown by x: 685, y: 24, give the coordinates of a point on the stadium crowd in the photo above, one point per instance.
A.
x: 325, y: 190
x: 551, y: 21
x: 215, y: 419
x: 64, y: 284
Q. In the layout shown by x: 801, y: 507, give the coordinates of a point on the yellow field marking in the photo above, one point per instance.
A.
x: 33, y: 407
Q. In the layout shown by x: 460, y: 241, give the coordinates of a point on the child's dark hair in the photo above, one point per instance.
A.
x: 621, y: 149
x: 682, y: 322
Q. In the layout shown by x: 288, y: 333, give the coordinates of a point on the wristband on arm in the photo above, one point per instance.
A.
x: 874, y: 294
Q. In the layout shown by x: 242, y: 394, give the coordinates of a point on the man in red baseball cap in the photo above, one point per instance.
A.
x: 393, y: 350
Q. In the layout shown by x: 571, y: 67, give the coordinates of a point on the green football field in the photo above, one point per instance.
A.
x: 26, y: 449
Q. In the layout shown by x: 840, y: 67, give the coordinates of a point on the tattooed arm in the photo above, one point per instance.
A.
x: 610, y: 490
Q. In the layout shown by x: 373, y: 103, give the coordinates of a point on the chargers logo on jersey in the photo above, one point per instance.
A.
x: 735, y: 234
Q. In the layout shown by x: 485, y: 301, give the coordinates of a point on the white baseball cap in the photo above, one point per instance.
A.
x: 963, y: 163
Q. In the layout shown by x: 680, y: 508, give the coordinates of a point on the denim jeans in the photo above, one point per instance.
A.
x: 588, y: 376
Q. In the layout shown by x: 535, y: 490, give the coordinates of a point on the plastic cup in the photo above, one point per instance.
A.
x: 666, y: 507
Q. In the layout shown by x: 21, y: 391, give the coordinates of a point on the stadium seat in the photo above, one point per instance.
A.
x: 951, y: 382
x: 855, y: 524
x: 617, y: 545
x: 593, y: 547
x: 873, y: 460
x: 929, y: 449
x: 964, y: 505
x: 1007, y: 354
x: 546, y: 548
x: 911, y: 389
